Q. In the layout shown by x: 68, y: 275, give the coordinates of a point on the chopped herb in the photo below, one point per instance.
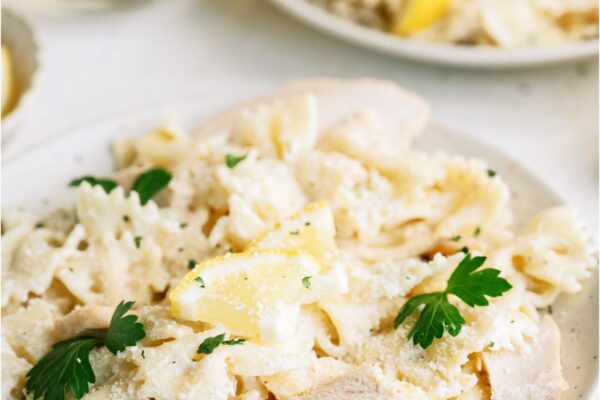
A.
x: 138, y: 241
x: 126, y: 218
x: 183, y: 225
x: 143, y: 355
x: 455, y: 238
x: 107, y: 184
x: 491, y: 173
x: 211, y: 343
x: 39, y: 225
x: 150, y: 183
x: 232, y: 160
x: 296, y: 232
x: 465, y: 250
x: 477, y: 231
x: 67, y: 366
x: 490, y: 344
x: 306, y: 281
x: 307, y: 223
x: 550, y: 309
x: 200, y: 281
x: 192, y: 264
x: 439, y: 314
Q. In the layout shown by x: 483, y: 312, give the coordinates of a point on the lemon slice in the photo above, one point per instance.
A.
x: 312, y: 230
x: 418, y: 14
x: 255, y: 294
x: 7, y: 80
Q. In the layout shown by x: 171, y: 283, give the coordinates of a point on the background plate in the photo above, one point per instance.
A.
x: 37, y: 181
x: 435, y: 52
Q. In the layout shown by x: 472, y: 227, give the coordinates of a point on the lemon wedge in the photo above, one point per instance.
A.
x: 312, y: 230
x: 418, y: 14
x: 255, y: 294
x: 7, y: 80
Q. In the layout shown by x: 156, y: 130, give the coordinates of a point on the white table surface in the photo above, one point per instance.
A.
x: 160, y: 52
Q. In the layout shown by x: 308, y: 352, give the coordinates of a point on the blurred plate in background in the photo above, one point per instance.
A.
x: 439, y: 53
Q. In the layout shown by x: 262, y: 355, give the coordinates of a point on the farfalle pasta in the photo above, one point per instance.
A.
x: 371, y: 221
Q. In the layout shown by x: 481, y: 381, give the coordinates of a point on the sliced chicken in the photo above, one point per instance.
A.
x: 533, y: 375
x: 82, y: 319
x: 364, y: 383
x: 403, y: 114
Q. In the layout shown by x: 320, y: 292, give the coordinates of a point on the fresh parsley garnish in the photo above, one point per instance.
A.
x: 306, y: 281
x: 183, y: 225
x: 296, y: 232
x: 138, y: 241
x: 126, y: 218
x: 491, y: 173
x: 151, y: 182
x: 455, y: 238
x: 550, y: 309
x: 67, y: 366
x: 39, y: 225
x: 200, y: 281
x: 438, y: 314
x: 477, y: 231
x: 465, y: 250
x: 107, y: 184
x: 192, y: 264
x: 211, y: 343
x: 232, y: 160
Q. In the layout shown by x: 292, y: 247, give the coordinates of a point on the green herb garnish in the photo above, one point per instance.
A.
x: 192, y: 264
x: 231, y: 160
x: 296, y: 232
x: 106, y: 183
x: 455, y: 238
x: 211, y: 343
x: 138, y: 241
x: 491, y: 173
x: 151, y: 182
x: 438, y: 314
x: 477, y: 231
x: 66, y: 368
x: 306, y: 281
x: 200, y: 281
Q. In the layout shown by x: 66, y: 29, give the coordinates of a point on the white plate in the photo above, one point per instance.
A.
x: 439, y: 53
x: 37, y: 181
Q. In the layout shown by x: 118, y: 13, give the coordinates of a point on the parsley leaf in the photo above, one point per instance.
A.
x: 67, y: 366
x: 232, y: 160
x: 192, y: 264
x: 455, y: 238
x: 211, y: 343
x: 438, y: 314
x: 138, y: 241
x: 200, y: 281
x: 151, y: 182
x: 491, y: 173
x: 306, y: 281
x: 123, y: 330
x: 107, y: 184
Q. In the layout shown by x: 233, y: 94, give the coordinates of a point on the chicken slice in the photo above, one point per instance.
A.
x: 532, y: 375
x: 363, y: 383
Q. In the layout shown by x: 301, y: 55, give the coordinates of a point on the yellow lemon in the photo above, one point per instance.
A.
x: 7, y: 80
x: 255, y: 294
x: 415, y: 15
x: 312, y: 230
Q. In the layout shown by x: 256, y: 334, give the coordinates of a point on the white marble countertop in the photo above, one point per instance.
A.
x: 96, y: 64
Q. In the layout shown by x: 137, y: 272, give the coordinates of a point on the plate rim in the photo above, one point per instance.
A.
x: 435, y: 52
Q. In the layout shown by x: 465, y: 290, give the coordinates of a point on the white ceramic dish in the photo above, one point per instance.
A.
x: 439, y: 53
x: 37, y: 181
x: 18, y: 36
